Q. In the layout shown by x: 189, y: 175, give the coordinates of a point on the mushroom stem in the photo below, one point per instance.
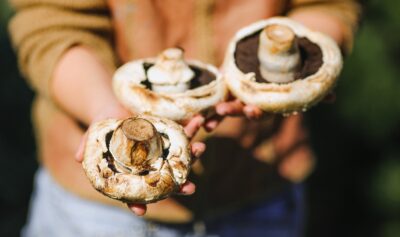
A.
x: 170, y: 73
x: 148, y: 142
x: 138, y: 129
x: 278, y: 54
x: 135, y: 144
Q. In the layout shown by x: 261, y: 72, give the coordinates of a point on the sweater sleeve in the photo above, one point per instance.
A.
x: 42, y: 30
x: 347, y: 11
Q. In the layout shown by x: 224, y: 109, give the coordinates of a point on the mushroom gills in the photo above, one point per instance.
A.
x: 278, y: 53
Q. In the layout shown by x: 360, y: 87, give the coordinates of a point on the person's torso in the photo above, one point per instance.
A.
x: 202, y: 28
x: 229, y: 175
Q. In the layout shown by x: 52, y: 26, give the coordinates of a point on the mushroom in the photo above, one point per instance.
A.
x: 169, y: 86
x: 141, y: 159
x: 281, y: 66
x: 170, y: 74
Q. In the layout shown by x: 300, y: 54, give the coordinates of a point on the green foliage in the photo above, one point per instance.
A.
x: 368, y: 90
x: 390, y: 229
x: 5, y: 11
x: 385, y: 188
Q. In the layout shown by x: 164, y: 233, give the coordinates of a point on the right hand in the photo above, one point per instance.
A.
x: 190, y: 127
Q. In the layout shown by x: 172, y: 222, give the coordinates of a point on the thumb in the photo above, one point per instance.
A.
x: 81, y: 148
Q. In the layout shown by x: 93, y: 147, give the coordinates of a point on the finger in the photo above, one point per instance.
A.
x: 252, y: 111
x: 198, y: 149
x: 138, y: 209
x: 187, y: 188
x: 194, y: 125
x: 234, y: 107
x: 81, y: 148
x: 212, y: 123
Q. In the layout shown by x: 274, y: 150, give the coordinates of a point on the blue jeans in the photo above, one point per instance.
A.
x: 55, y: 212
x: 281, y: 216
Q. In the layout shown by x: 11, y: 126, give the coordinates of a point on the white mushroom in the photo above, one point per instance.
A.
x: 170, y: 73
x: 169, y: 86
x: 128, y: 160
x: 291, y: 69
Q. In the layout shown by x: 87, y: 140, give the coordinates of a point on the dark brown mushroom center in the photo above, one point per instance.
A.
x: 247, y: 61
x: 202, y: 76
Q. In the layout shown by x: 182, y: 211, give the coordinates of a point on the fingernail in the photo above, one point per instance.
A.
x: 78, y: 153
x: 201, y: 120
x: 255, y: 114
x: 138, y: 211
x: 211, y: 126
x: 199, y: 148
x: 197, y: 153
x: 187, y: 191
x: 221, y: 110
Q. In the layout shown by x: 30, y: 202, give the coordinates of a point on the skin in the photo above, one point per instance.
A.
x: 77, y: 91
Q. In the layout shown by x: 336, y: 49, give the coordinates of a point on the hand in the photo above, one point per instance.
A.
x: 233, y: 107
x: 116, y: 111
x: 191, y: 127
x: 194, y: 124
x: 237, y: 108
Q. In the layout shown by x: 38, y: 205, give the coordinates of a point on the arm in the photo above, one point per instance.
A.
x: 336, y: 18
x: 81, y: 85
x: 55, y: 40
x: 66, y: 54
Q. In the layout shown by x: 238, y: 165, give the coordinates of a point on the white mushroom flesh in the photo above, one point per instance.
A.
x: 146, y: 158
x: 278, y: 54
x: 170, y: 73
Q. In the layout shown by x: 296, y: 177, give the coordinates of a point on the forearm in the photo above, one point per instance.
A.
x: 81, y: 85
x: 322, y: 22
x: 65, y: 52
x: 338, y: 19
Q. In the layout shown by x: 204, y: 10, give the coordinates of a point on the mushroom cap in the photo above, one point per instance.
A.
x: 132, y: 93
x: 285, y: 98
x: 164, y: 175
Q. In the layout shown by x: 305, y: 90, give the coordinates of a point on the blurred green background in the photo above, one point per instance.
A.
x: 355, y: 189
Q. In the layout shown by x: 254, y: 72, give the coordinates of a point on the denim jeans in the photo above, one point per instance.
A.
x: 54, y: 212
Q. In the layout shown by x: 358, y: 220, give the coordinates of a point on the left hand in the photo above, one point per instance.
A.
x: 236, y: 107
x: 232, y: 107
x: 197, y: 148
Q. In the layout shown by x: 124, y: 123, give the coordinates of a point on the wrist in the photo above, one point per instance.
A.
x: 81, y: 86
x: 112, y: 109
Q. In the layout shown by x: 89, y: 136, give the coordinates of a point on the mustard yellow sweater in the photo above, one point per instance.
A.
x: 42, y: 30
